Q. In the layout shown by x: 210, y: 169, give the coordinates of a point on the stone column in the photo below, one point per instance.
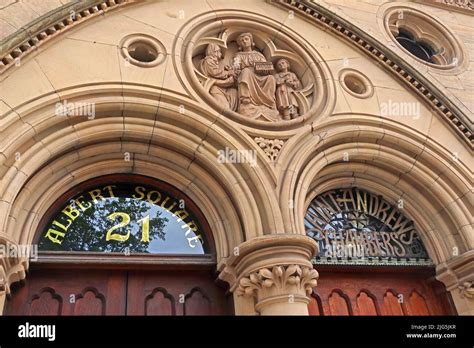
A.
x: 457, y: 275
x: 272, y: 275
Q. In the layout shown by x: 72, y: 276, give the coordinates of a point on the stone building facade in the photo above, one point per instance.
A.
x: 252, y: 111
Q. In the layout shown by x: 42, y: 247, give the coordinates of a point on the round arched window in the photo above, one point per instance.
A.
x: 125, y: 216
x: 354, y: 226
x: 419, y: 49
x: 428, y: 40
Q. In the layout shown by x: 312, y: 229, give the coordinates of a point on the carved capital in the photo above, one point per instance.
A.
x: 281, y: 279
x: 276, y: 271
x: 466, y: 290
x: 12, y: 268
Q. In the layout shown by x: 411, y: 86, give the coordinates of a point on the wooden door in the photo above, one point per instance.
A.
x: 117, y: 292
x: 174, y: 293
x: 69, y: 292
x: 379, y: 292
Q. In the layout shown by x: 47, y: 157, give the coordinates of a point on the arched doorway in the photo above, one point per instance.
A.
x: 122, y: 245
x: 371, y: 258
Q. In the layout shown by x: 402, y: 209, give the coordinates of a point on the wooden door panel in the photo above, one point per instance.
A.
x: 197, y: 303
x: 366, y: 304
x: 90, y: 302
x: 417, y: 305
x: 158, y: 302
x: 45, y: 302
x: 391, y: 304
x: 174, y: 293
x: 66, y: 292
x: 338, y: 303
x: 372, y: 292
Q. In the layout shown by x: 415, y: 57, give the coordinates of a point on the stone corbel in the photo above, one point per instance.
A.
x: 455, y: 272
x: 275, y: 272
x: 457, y: 275
x: 12, y: 269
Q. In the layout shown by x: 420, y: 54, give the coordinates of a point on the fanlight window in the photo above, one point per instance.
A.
x: 125, y: 218
x: 355, y: 226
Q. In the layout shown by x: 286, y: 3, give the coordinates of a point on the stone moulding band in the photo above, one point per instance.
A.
x: 320, y: 15
x: 26, y: 39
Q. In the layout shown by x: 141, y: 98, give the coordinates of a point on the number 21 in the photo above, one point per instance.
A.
x: 125, y: 221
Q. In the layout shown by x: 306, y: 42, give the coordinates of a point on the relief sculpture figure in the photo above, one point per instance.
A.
x: 287, y: 83
x: 256, y: 93
x: 249, y: 85
x: 223, y: 89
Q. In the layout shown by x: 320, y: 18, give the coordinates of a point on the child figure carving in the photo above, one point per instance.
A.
x: 287, y: 83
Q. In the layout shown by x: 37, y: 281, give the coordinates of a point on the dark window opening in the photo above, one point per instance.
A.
x: 418, y: 49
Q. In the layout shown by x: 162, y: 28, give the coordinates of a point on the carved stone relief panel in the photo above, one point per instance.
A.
x: 254, y: 71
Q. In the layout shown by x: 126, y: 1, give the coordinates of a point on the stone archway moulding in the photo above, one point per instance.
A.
x: 164, y: 142
x: 386, y: 161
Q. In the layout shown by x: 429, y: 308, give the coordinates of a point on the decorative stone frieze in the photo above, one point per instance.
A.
x: 463, y: 6
x: 41, y: 30
x: 241, y: 69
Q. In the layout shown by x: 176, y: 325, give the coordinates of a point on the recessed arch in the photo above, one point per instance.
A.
x: 85, y: 305
x: 385, y: 161
x: 393, y: 304
x: 53, y: 302
x: 339, y: 303
x: 161, y: 140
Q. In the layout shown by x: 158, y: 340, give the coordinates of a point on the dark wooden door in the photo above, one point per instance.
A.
x: 117, y: 292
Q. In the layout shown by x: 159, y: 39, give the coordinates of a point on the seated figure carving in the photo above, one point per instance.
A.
x: 256, y: 93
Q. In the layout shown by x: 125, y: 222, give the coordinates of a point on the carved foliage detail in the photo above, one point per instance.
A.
x: 271, y: 147
x: 281, y: 277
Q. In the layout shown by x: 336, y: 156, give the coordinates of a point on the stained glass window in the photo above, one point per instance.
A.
x: 354, y: 224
